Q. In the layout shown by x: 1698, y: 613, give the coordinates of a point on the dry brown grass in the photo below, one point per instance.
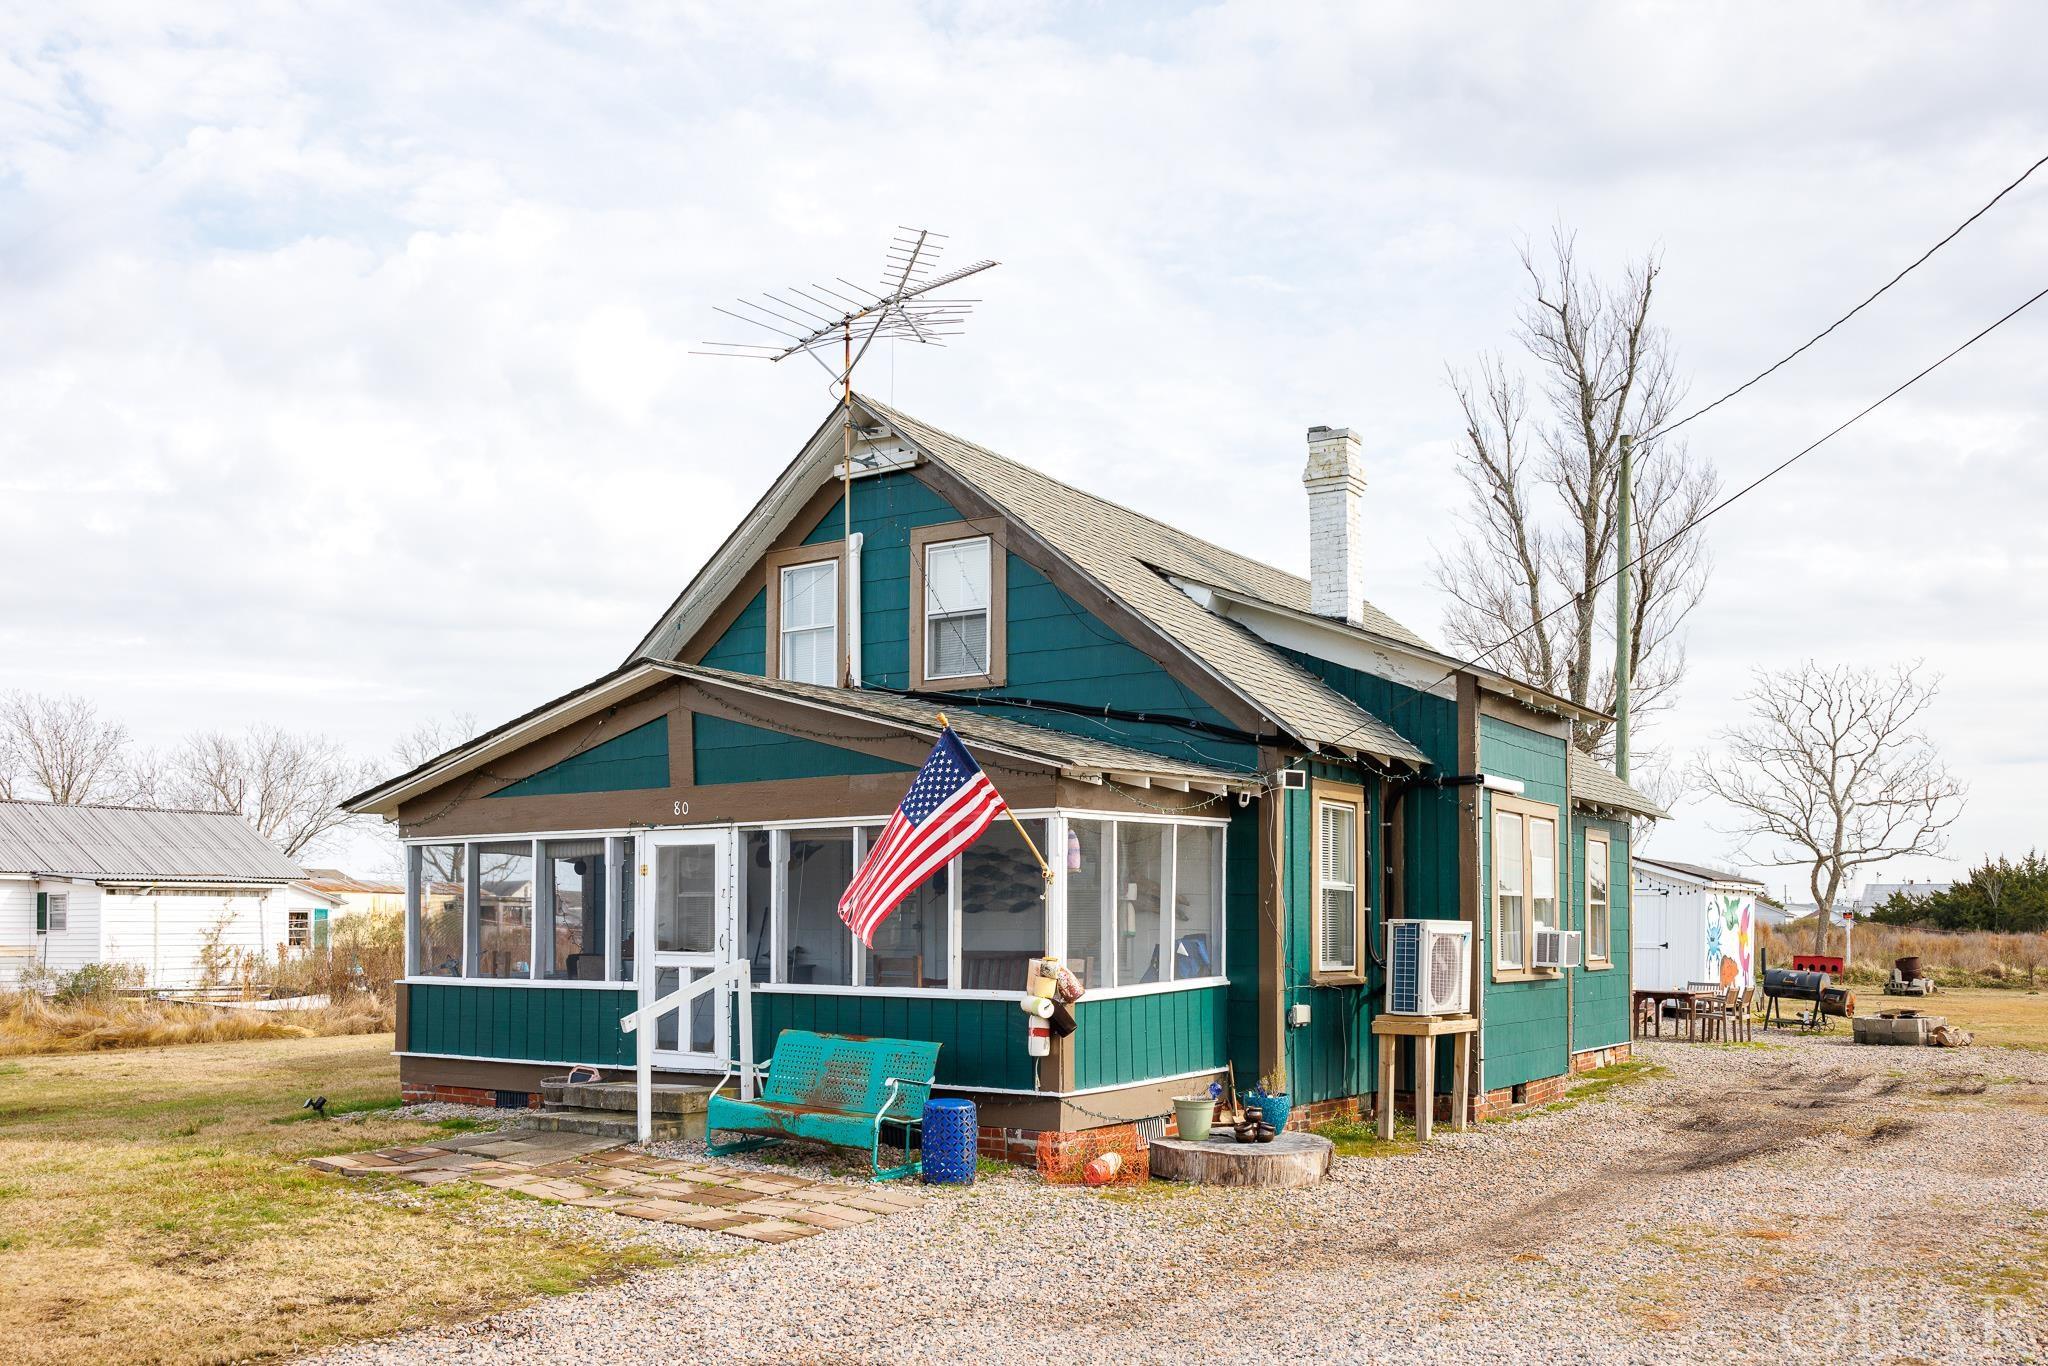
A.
x: 1974, y: 959
x: 155, y: 1206
x: 31, y: 1023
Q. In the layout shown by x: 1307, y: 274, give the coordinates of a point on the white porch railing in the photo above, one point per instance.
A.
x: 642, y: 1022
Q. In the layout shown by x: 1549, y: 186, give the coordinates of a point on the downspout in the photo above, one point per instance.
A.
x: 854, y: 541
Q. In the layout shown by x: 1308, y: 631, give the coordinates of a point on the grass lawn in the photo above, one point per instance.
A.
x: 2016, y: 1019
x: 154, y: 1206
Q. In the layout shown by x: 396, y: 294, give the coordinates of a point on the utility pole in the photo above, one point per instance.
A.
x: 1624, y: 555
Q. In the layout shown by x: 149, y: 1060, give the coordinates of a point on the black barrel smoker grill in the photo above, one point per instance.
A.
x: 1811, y: 989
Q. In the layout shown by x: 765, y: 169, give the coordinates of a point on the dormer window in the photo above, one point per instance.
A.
x: 957, y: 583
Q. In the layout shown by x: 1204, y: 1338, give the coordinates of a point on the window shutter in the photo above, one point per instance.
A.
x: 42, y: 912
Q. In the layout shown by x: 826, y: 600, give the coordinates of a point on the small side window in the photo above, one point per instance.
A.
x: 60, y: 912
x: 1340, y: 892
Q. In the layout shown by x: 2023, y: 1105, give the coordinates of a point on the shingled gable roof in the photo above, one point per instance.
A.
x: 1126, y: 553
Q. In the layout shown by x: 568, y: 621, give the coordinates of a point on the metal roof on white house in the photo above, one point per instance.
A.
x: 137, y: 843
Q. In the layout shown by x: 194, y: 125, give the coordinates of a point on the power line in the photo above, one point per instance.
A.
x: 1917, y: 263
x: 1725, y: 503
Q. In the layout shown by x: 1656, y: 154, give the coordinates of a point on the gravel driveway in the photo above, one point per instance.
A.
x: 1807, y: 1199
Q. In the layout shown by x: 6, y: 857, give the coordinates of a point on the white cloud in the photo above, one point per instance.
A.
x: 346, y: 360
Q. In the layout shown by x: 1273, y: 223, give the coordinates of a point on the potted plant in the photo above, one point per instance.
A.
x: 1192, y: 1116
x: 1272, y: 1100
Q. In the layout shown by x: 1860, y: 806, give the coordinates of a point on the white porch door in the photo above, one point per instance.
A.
x: 688, y: 888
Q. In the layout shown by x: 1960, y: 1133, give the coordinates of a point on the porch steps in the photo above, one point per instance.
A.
x: 609, y: 1109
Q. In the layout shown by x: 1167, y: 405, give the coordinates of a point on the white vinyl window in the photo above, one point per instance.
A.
x: 60, y: 912
x: 1599, y: 902
x: 1337, y: 899
x: 809, y: 621
x: 298, y: 929
x: 956, y: 608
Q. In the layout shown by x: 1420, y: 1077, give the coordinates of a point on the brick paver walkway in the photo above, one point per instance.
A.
x: 596, y: 1173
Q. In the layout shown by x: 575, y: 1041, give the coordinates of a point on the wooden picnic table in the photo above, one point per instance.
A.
x: 1656, y: 997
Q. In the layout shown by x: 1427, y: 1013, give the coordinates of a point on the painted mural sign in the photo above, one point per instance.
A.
x: 1731, y: 938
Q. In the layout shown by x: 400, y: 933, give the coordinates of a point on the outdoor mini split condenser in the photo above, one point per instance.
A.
x: 1429, y: 967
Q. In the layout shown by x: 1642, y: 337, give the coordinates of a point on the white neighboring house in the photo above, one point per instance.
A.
x: 137, y: 885
x: 1692, y: 924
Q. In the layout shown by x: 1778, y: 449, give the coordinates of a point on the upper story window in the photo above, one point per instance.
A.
x: 1524, y: 881
x: 956, y: 601
x: 957, y: 584
x: 808, y: 622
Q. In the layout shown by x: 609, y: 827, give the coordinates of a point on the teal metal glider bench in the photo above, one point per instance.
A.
x: 836, y: 1089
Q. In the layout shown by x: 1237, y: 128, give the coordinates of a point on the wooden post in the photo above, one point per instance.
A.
x: 1389, y: 1047
x: 1461, y: 1080
x: 1425, y: 1086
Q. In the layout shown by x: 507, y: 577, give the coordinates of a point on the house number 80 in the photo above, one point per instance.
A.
x: 682, y: 808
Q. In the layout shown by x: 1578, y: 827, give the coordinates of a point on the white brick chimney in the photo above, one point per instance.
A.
x: 1335, y: 479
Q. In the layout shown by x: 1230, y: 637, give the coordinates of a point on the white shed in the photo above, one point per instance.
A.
x: 1692, y: 924
x: 142, y: 886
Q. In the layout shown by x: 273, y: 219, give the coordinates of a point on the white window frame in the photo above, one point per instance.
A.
x: 929, y: 618
x: 294, y: 918
x: 1604, y: 959
x: 57, y: 913
x: 1109, y: 987
x: 783, y: 630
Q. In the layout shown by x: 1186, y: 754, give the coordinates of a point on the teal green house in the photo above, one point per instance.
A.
x: 1237, y: 776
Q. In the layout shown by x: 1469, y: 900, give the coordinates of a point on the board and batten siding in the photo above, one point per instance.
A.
x: 1160, y: 1034
x: 1524, y: 1022
x: 520, y: 1024
x: 1600, y: 996
x: 981, y: 1042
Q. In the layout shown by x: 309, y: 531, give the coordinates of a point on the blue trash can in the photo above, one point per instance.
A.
x: 950, y: 1130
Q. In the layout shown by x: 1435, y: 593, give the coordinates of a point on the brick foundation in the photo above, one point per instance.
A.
x: 1595, y: 1058
x: 1511, y: 1100
x: 417, y: 1093
x: 1342, y: 1109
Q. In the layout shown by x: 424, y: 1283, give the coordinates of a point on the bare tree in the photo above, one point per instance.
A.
x: 1539, y: 525
x: 60, y: 749
x: 431, y: 739
x: 288, y: 786
x: 1835, y: 773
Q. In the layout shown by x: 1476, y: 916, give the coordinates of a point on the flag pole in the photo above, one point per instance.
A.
x: 1029, y: 843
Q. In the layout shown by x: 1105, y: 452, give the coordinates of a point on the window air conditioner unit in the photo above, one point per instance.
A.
x: 1429, y: 967
x: 1556, y: 948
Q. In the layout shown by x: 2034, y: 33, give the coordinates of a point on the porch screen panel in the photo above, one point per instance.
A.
x: 757, y: 904
x: 1140, y: 888
x: 912, y: 947
x: 1197, y: 902
x: 1002, y: 908
x: 624, y: 880
x: 1088, y: 879
x: 686, y: 898
x: 438, y: 896
x: 504, y: 892
x: 573, y: 912
x: 818, y: 948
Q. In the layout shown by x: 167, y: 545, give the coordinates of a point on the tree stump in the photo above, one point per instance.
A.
x: 1289, y: 1162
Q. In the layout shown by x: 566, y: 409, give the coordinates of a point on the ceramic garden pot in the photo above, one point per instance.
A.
x: 1192, y: 1116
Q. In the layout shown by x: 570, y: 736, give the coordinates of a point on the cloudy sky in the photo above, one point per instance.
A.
x: 344, y: 351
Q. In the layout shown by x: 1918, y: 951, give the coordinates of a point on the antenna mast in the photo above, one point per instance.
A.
x: 905, y: 311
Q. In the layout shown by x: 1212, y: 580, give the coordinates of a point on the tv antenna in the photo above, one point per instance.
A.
x: 826, y: 318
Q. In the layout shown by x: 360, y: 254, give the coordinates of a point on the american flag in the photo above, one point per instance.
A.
x: 946, y: 810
